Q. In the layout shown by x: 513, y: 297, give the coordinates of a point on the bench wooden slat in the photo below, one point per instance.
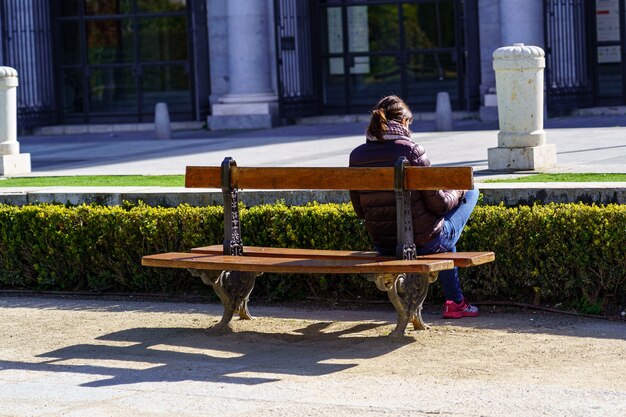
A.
x: 328, y: 178
x: 439, y: 178
x: 463, y: 259
x: 460, y: 259
x: 312, y: 178
x: 203, y: 177
x: 292, y: 265
x: 295, y: 253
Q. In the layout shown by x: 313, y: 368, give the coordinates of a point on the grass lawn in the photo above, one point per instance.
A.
x: 566, y: 178
x: 97, y: 181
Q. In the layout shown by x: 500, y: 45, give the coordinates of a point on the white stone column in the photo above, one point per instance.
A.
x: 251, y: 101
x: 11, y: 161
x: 519, y: 84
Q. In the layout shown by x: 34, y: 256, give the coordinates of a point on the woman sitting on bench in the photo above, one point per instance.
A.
x: 438, y: 216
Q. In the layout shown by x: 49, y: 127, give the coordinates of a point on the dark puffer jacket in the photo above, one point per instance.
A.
x: 378, y: 208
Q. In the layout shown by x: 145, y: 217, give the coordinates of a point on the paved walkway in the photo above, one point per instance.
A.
x: 584, y: 144
x: 99, y: 357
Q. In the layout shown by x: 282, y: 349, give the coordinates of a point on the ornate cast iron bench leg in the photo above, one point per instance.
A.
x: 233, y: 288
x: 416, y: 291
x: 407, y: 293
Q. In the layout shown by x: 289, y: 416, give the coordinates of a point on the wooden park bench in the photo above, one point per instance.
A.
x: 232, y: 269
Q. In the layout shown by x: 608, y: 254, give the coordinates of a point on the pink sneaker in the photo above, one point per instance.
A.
x: 452, y: 310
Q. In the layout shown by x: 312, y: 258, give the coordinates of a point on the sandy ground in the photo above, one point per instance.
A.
x: 104, y: 357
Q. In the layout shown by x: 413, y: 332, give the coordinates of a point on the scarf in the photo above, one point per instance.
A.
x: 395, y: 130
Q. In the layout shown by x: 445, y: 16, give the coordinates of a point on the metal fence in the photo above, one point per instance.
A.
x: 569, y: 80
x: 295, y: 45
x: 27, y: 47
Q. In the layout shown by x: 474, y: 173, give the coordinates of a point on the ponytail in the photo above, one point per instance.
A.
x: 378, y: 123
x: 388, y: 108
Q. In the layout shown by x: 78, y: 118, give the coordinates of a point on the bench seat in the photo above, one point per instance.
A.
x: 276, y: 264
x: 460, y: 259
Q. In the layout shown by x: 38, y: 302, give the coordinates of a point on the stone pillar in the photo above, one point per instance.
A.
x: 11, y: 161
x: 250, y: 102
x: 519, y: 84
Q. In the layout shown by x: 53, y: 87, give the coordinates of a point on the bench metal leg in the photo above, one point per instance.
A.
x: 407, y: 293
x: 233, y: 288
x: 416, y: 291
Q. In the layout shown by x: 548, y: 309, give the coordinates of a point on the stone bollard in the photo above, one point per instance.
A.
x: 443, y: 113
x: 11, y: 161
x: 162, y: 126
x: 519, y: 85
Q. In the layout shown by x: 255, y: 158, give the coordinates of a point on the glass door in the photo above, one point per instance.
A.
x: 118, y: 58
x: 375, y: 48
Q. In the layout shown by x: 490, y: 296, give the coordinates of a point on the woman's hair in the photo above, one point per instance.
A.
x: 388, y: 108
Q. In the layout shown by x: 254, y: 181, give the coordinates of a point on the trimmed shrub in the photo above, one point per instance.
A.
x: 571, y: 253
x: 568, y: 253
x: 96, y: 248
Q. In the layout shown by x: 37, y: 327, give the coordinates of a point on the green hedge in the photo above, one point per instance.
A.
x: 569, y: 253
x: 96, y: 248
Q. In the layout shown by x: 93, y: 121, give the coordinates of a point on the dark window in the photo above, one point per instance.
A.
x: 118, y: 58
x: 372, y: 49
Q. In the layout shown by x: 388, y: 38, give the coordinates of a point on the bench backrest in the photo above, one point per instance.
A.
x: 401, y: 178
x: 325, y: 178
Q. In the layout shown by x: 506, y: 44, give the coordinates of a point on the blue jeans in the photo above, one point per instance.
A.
x: 454, y: 223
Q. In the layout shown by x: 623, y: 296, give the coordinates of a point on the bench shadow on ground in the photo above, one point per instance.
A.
x: 327, y: 342
x: 143, y: 355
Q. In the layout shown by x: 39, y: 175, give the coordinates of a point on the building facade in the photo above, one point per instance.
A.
x: 249, y: 63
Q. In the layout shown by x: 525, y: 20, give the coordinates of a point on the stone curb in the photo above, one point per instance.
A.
x: 493, y: 193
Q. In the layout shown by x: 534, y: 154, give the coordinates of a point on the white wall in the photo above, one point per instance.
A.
x: 503, y: 23
x: 489, y: 33
x: 218, y: 48
x: 522, y: 21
